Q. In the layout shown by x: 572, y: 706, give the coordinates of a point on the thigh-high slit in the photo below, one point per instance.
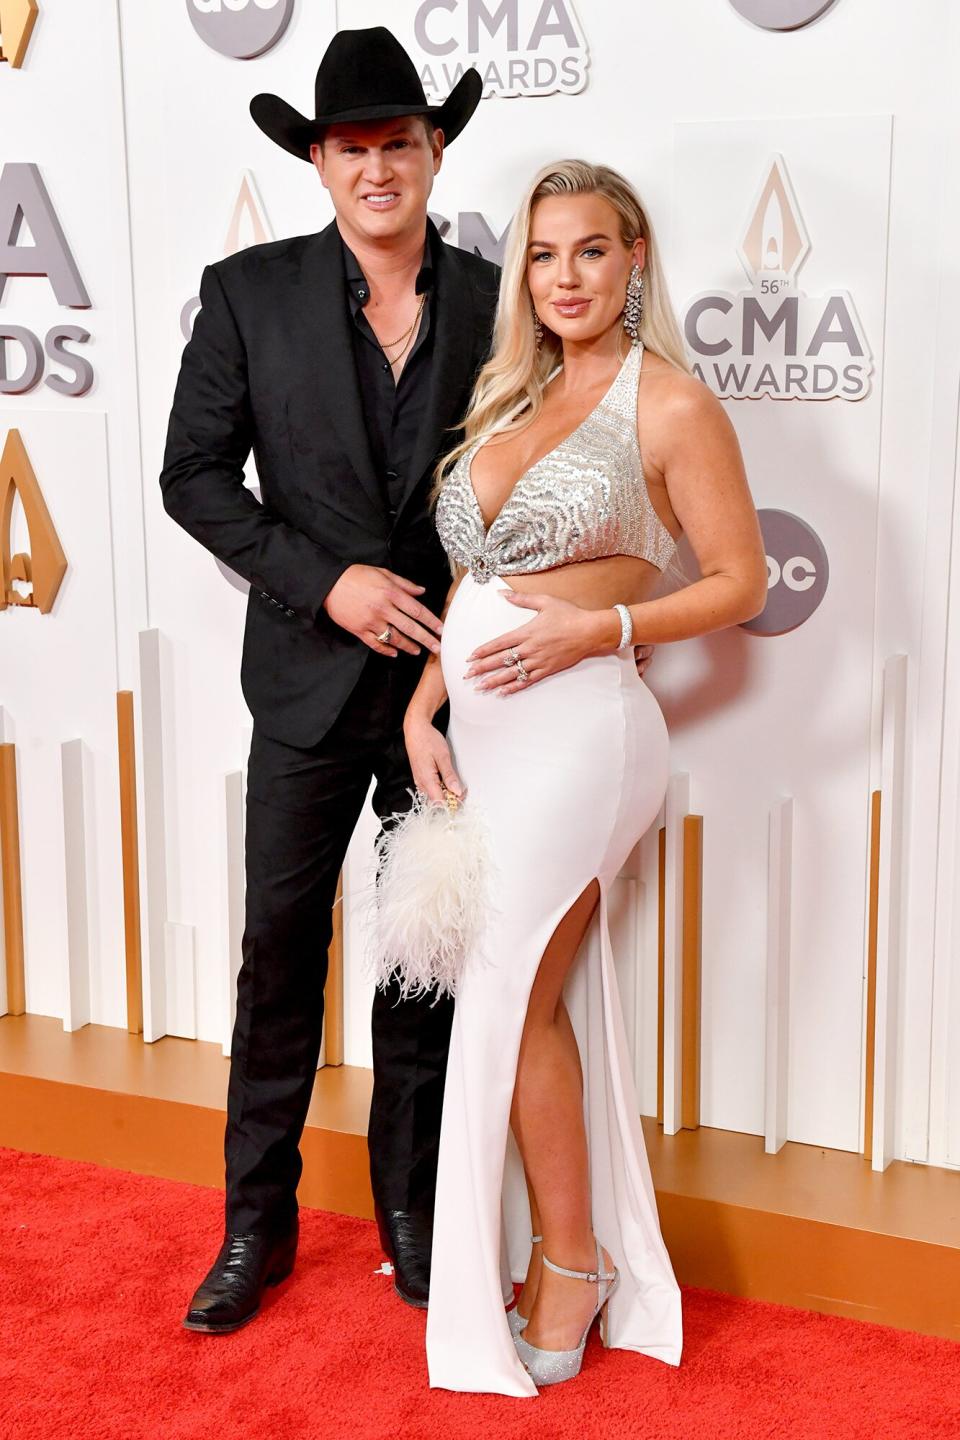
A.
x: 569, y: 775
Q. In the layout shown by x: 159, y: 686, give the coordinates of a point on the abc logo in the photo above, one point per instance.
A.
x: 781, y: 14
x: 797, y: 573
x: 240, y: 29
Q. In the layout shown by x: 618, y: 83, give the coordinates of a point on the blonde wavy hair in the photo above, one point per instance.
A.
x: 515, y: 376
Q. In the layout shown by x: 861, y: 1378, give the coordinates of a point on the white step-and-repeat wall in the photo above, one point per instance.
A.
x: 795, y: 158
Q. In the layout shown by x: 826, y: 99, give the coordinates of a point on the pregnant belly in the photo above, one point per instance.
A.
x: 480, y: 612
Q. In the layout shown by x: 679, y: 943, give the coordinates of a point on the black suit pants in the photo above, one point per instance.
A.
x: 302, y: 806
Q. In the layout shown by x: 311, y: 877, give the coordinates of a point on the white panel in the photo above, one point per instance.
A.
x: 779, y: 883
x: 79, y: 856
x: 153, y: 859
x: 234, y: 785
x: 55, y: 115
x: 180, y: 978
x: 889, y: 913
x: 677, y: 806
x: 763, y: 716
x: 358, y: 985
x: 945, y: 979
x: 6, y: 738
x: 929, y: 1113
x: 951, y: 1127
x: 162, y: 843
x: 58, y: 681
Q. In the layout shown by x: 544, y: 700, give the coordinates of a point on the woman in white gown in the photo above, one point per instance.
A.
x: 555, y: 735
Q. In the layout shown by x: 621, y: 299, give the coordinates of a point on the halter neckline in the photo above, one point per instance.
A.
x: 635, y: 350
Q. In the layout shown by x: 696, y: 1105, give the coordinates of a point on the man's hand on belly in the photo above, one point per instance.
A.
x: 383, y: 611
x: 643, y: 654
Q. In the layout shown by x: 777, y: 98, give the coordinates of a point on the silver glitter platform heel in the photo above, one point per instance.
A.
x: 550, y: 1367
x: 515, y: 1320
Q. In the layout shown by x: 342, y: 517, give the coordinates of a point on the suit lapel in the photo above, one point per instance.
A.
x: 325, y: 316
x: 452, y: 363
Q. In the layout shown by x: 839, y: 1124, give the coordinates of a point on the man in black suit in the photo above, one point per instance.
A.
x: 343, y: 360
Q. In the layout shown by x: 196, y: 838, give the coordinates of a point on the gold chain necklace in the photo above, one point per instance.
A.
x: 389, y: 344
x: 400, y: 353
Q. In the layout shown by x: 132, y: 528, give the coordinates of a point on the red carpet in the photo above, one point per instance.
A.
x: 98, y: 1266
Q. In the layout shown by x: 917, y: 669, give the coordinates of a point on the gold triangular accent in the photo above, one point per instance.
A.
x: 46, y: 564
x: 248, y: 205
x: 776, y: 240
x: 17, y: 19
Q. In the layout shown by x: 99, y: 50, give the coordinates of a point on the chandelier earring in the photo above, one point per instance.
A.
x: 537, y: 329
x: 633, y: 309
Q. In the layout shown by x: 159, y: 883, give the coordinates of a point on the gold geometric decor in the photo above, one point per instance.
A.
x: 17, y: 19
x: 248, y: 223
x: 45, y: 566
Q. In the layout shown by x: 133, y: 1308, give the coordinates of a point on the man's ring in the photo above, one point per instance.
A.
x: 384, y: 639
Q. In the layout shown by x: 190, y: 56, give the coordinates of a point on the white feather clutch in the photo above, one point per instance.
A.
x: 432, y: 890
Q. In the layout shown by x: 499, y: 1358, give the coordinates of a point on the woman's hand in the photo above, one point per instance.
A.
x: 562, y: 634
x: 430, y: 759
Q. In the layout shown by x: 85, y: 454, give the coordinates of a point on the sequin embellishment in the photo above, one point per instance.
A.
x: 585, y: 499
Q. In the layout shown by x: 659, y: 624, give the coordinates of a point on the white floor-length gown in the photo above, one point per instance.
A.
x: 569, y: 774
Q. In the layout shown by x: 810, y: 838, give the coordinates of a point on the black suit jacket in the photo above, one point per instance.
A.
x: 270, y: 367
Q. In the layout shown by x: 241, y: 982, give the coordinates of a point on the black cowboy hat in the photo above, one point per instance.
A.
x: 364, y: 75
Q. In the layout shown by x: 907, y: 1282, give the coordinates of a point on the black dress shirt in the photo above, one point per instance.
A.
x: 393, y: 411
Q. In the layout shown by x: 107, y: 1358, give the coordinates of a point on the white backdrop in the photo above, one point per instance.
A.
x: 141, y: 134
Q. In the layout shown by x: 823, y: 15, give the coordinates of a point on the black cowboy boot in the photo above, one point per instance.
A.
x: 230, y: 1294
x: 406, y: 1239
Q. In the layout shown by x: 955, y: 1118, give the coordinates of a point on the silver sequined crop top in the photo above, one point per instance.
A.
x: 584, y: 500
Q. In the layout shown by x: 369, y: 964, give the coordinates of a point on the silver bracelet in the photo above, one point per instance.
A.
x: 626, y: 626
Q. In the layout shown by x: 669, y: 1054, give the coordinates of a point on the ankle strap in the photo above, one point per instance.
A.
x: 592, y: 1275
x: 536, y: 1239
